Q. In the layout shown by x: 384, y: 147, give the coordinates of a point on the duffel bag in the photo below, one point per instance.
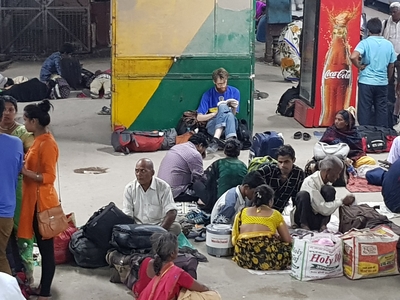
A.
x: 86, y: 253
x: 121, y: 265
x: 99, y: 227
x: 127, y: 141
x: 376, y: 139
x: 128, y: 237
x: 266, y: 143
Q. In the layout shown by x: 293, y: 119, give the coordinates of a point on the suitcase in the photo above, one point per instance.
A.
x: 127, y: 237
x: 266, y: 143
x: 86, y: 253
x: 98, y: 228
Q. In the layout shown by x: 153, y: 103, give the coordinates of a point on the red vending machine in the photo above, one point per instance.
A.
x: 328, y: 81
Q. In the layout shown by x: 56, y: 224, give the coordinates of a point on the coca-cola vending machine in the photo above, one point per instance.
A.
x: 328, y: 81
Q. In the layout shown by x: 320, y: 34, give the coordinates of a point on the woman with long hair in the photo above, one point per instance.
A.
x: 39, y: 194
x: 8, y: 125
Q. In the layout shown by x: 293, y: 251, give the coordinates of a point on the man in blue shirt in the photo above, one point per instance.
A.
x: 52, y: 64
x: 375, y: 58
x: 11, y: 160
x: 391, y: 187
x: 218, y: 107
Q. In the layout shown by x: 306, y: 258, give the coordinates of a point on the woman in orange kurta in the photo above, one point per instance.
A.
x: 38, y: 189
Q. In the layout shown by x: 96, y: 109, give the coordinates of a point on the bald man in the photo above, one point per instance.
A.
x: 312, y: 210
x: 149, y: 199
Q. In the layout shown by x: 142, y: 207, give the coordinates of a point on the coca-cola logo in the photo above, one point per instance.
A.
x: 342, y: 74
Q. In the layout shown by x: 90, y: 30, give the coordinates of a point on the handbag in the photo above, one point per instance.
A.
x: 321, y: 150
x: 52, y: 221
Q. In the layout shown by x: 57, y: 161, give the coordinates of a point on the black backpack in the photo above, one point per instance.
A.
x: 71, y: 71
x: 244, y: 134
x: 86, y: 253
x: 98, y: 228
x: 286, y: 103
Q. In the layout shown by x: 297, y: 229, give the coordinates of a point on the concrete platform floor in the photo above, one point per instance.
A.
x: 84, y: 141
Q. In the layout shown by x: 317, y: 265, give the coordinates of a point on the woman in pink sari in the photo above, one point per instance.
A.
x: 167, y: 280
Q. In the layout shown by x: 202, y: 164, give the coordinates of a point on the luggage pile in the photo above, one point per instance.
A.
x: 89, y: 245
x: 369, y: 247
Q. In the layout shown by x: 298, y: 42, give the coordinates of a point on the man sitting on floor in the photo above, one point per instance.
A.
x: 285, y: 177
x: 391, y: 187
x: 149, y: 200
x: 218, y: 107
x: 312, y: 211
x: 52, y: 64
x: 182, y: 169
x: 234, y: 200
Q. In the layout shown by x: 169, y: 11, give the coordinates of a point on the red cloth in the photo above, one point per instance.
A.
x: 164, y: 287
x: 361, y: 185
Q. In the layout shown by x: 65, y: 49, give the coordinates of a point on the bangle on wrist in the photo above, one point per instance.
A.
x: 37, y: 176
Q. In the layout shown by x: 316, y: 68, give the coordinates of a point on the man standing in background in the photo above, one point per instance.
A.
x: 11, y: 160
x: 391, y: 32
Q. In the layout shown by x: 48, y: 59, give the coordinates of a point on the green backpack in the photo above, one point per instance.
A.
x: 259, y: 162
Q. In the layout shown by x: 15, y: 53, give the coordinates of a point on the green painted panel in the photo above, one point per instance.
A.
x: 180, y: 91
x: 225, y: 32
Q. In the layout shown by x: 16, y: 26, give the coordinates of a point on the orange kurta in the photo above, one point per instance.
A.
x: 41, y: 158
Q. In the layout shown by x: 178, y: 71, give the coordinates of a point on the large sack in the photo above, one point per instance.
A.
x: 62, y: 254
x: 312, y: 261
x: 370, y: 253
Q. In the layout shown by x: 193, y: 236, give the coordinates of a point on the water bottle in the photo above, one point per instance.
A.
x: 352, y: 170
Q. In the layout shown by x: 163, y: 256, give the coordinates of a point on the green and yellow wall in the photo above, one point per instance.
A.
x: 164, y: 52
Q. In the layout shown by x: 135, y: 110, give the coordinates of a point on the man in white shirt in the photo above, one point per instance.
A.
x: 312, y: 211
x: 391, y: 32
x: 9, y: 289
x: 149, y: 199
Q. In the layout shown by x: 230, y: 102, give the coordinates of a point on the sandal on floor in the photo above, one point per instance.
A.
x: 297, y: 135
x: 105, y: 111
x: 306, y: 136
x: 201, y: 237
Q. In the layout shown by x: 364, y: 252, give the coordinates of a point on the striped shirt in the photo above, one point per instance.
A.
x: 180, y: 167
x: 283, y: 190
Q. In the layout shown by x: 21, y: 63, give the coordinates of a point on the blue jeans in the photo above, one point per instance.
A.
x: 225, y: 119
x: 372, y: 105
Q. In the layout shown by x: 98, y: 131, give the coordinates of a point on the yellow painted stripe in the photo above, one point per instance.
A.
x: 139, y: 31
x: 131, y: 94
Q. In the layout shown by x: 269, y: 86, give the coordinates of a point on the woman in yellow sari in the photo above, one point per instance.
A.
x: 260, y: 235
x: 9, y: 126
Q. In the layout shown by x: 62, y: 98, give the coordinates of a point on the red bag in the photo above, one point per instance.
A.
x: 127, y: 141
x: 62, y: 254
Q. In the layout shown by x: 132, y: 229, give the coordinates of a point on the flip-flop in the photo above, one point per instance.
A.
x: 306, y: 136
x: 202, y: 236
x: 297, y: 135
x: 104, y: 111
